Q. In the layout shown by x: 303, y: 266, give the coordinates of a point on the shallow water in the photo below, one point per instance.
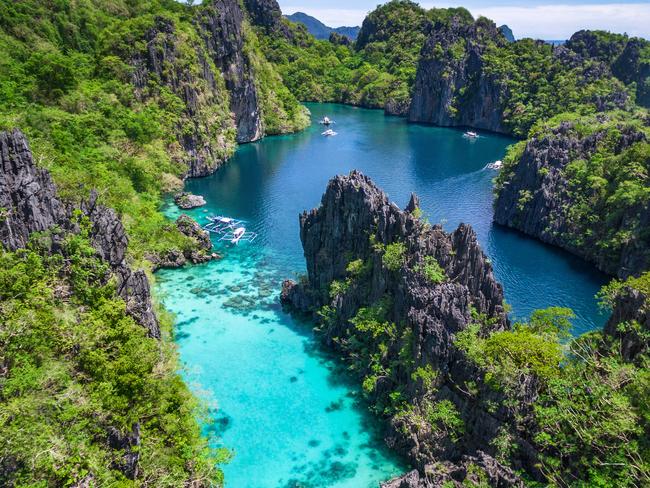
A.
x: 291, y: 418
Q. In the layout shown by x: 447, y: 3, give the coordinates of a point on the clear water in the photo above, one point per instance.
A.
x: 292, y: 418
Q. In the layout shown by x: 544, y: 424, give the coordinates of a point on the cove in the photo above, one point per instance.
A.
x: 288, y: 412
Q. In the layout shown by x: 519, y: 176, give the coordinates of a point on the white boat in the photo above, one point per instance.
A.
x: 496, y: 165
x: 221, y: 225
x: 329, y: 132
x: 237, y: 235
x: 326, y: 121
x: 471, y: 135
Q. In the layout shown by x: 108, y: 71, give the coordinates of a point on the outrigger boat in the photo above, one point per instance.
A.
x: 329, y: 132
x: 326, y: 121
x: 229, y: 229
x: 219, y: 224
x: 470, y: 134
x: 239, y: 234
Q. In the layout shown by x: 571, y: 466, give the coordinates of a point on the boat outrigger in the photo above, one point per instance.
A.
x: 229, y: 229
x: 239, y: 234
x: 219, y: 224
x: 329, y: 132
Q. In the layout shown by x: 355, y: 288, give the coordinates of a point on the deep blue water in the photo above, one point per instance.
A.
x: 284, y: 409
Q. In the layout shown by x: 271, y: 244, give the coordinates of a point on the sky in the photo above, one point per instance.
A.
x: 551, y: 19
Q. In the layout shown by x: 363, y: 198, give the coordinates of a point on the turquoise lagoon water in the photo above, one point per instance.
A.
x: 289, y: 415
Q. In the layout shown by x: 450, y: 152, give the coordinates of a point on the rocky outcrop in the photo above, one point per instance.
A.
x: 30, y: 204
x: 109, y: 238
x: 221, y: 24
x: 602, y: 46
x: 28, y: 200
x: 127, y: 443
x: 623, y: 55
x: 367, y: 258
x: 339, y: 39
x: 630, y: 322
x: 507, y: 33
x: 451, y: 87
x: 199, y: 252
x: 187, y: 201
x: 267, y: 14
x: 203, y: 129
x: 397, y: 106
x: 537, y: 196
x: 632, y: 67
x: 470, y: 471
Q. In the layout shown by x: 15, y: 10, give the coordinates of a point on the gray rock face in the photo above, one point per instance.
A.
x: 460, y: 475
x: 163, y: 62
x: 128, y: 443
x: 109, y: 237
x: 630, y: 67
x: 221, y: 25
x: 630, y: 323
x: 28, y: 200
x: 187, y: 201
x: 354, y: 220
x: 536, y: 200
x: 451, y: 89
x: 30, y: 204
x: 267, y: 14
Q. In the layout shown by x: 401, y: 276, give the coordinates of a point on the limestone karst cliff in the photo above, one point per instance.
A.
x: 580, y: 185
x: 419, y: 318
x: 452, y: 87
x: 419, y: 286
x: 30, y: 204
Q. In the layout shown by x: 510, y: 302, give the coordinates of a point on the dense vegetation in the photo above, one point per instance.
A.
x: 74, y: 367
x: 604, y: 189
x: 77, y: 376
x: 591, y: 419
x: 66, y: 73
x: 88, y: 399
x: 579, y: 402
x: 380, y: 68
x: 541, y: 84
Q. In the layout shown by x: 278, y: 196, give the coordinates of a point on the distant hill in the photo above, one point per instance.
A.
x: 319, y: 30
x: 507, y: 33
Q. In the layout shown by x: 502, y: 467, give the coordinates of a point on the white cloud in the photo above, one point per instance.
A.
x: 559, y: 21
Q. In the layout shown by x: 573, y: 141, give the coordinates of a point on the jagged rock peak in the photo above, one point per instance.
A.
x: 28, y: 199
x: 353, y: 209
x: 29, y: 203
x: 414, y: 203
x: 451, y: 87
x: 429, y: 289
x: 267, y: 14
